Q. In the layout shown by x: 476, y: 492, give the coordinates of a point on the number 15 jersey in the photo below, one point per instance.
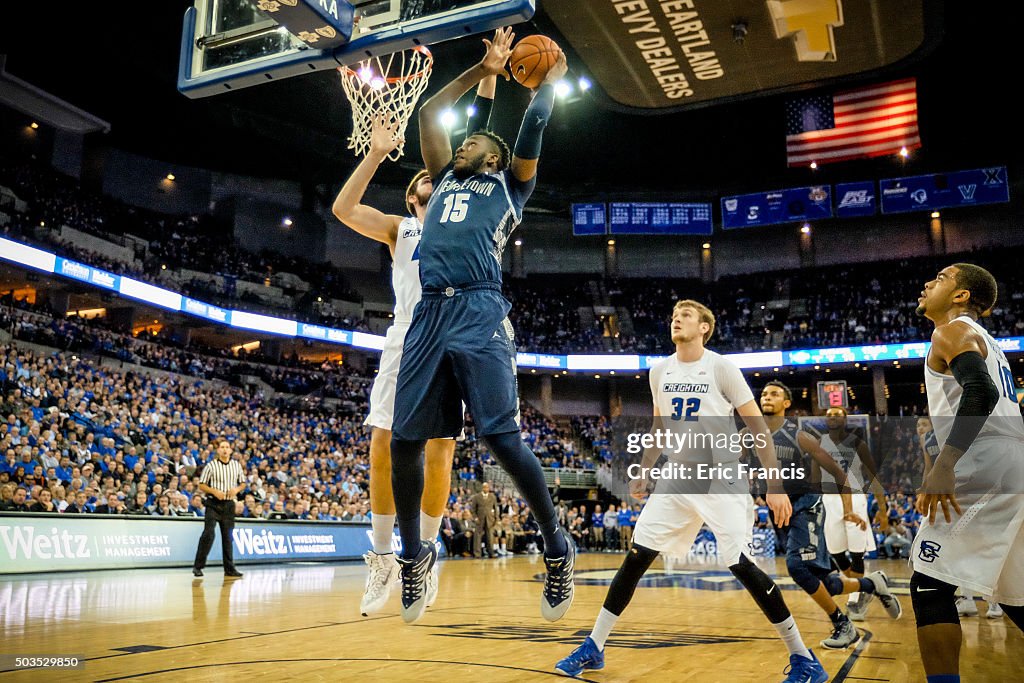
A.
x: 467, y: 225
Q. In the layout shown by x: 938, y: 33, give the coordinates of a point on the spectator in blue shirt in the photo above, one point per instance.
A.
x: 597, y: 527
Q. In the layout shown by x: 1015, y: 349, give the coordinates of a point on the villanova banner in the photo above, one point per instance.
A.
x: 945, y: 190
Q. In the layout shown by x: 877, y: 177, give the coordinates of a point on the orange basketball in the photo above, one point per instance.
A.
x: 532, y: 57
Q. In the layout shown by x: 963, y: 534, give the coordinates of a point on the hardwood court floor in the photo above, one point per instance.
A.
x: 301, y: 622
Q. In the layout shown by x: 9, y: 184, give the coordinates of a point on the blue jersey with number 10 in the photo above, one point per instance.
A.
x: 467, y: 225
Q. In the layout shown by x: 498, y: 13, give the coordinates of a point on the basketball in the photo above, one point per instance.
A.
x: 531, y: 59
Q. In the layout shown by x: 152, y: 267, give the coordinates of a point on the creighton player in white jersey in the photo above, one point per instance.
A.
x: 402, y: 236
x: 696, y: 383
x: 977, y: 480
x: 847, y: 541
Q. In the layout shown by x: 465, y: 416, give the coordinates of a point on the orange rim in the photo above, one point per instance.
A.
x: 349, y: 71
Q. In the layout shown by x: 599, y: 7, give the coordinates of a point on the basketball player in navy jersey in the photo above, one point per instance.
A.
x: 807, y: 557
x: 402, y: 237
x: 979, y: 470
x: 691, y: 385
x: 460, y: 347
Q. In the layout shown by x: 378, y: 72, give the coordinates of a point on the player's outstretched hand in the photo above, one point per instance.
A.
x: 780, y: 507
x: 384, y: 137
x: 498, y: 52
x: 638, y: 488
x: 937, y: 492
x: 558, y: 71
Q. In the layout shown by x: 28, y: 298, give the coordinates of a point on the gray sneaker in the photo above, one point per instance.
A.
x: 858, y: 609
x: 844, y: 635
x: 889, y: 601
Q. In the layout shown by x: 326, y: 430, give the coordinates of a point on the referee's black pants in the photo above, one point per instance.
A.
x: 218, y: 513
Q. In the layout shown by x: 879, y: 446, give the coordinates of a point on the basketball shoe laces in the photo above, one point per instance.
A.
x: 376, y: 582
x: 558, y: 584
x: 414, y: 583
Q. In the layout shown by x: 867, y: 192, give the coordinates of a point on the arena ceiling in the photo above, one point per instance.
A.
x: 624, y: 135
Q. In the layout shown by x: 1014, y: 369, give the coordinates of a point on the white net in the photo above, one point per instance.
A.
x: 389, y: 85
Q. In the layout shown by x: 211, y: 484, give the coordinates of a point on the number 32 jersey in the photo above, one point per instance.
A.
x: 707, y: 390
x: 467, y: 225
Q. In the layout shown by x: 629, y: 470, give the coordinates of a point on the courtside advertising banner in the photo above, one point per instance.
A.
x: 44, y: 543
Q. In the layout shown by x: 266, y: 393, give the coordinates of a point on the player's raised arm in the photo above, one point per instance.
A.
x: 961, y: 350
x: 435, y: 146
x: 348, y: 207
x: 776, y: 498
x: 531, y: 133
x: 480, y: 116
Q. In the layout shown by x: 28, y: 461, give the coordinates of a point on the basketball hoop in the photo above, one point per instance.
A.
x: 390, y: 84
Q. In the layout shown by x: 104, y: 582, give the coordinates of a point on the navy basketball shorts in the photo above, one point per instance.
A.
x: 459, y: 348
x: 806, y: 540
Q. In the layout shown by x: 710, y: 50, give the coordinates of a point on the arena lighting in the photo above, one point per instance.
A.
x: 584, y: 83
x: 806, y: 228
x: 563, y: 89
x: 447, y: 118
x: 814, y: 165
x: 170, y: 176
x: 519, y: 243
x: 904, y: 152
x: 287, y: 222
x: 470, y: 111
x: 706, y: 245
x: 936, y: 214
x: 163, y: 266
x: 611, y: 243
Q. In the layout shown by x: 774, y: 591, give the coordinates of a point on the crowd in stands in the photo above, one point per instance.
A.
x: 198, y: 242
x: 96, y: 335
x: 853, y: 304
x: 546, y: 317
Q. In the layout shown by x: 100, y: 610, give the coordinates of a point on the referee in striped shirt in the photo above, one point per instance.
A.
x: 222, y: 480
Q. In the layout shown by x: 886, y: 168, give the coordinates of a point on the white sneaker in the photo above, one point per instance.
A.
x: 383, y: 575
x: 432, y: 581
x: 965, y: 607
x: 995, y: 611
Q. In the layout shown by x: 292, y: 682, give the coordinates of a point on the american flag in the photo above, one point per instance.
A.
x: 866, y: 122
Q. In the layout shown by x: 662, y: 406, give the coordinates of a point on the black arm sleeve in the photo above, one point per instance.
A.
x: 481, y: 117
x: 979, y: 398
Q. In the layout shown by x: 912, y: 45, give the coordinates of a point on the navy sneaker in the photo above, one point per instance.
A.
x: 558, y: 584
x: 803, y: 670
x: 586, y: 656
x: 414, y: 581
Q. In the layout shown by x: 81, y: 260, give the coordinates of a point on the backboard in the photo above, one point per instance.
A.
x: 231, y: 44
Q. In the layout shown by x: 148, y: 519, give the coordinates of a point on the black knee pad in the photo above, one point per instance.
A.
x: 802, y: 575
x: 934, y: 601
x: 842, y: 561
x: 857, y: 563
x: 764, y: 591
x: 638, y: 561
x: 833, y: 584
